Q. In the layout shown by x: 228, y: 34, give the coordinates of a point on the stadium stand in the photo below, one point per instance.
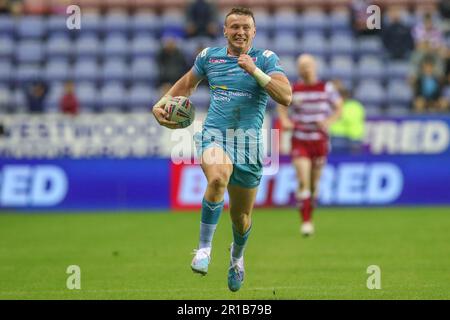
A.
x: 115, y: 49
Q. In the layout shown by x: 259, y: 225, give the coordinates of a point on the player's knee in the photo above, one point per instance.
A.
x: 218, y: 181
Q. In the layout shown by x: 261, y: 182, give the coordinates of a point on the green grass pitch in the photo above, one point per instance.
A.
x: 147, y: 256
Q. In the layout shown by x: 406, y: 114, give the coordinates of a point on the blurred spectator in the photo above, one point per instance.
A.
x: 69, y: 102
x: 347, y: 133
x: 428, y: 31
x: 429, y: 89
x: 16, y: 7
x: 201, y: 16
x: 35, y: 95
x: 397, y: 36
x: 359, y: 17
x: 444, y: 11
x: 4, y: 7
x: 425, y: 50
x: 171, y: 61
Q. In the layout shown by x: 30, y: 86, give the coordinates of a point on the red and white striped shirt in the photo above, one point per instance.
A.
x: 312, y: 104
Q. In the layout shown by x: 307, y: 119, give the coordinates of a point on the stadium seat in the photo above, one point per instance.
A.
x: 341, y: 44
x: 314, y: 21
x: 5, y: 98
x: 87, y: 46
x: 57, y: 70
x: 339, y: 20
x: 115, y: 46
x: 398, y: 70
x: 370, y: 46
x: 91, y: 23
x: 31, y: 27
x: 264, y: 21
x: 115, y: 70
x: 54, y: 96
x: 398, y: 110
x: 262, y: 42
x: 289, y: 65
x: 86, y: 70
x: 144, y: 46
x: 146, y: 22
x: 370, y: 67
x: 26, y: 73
x: 57, y: 24
x: 373, y: 110
x: 399, y: 93
x: 6, y: 25
x: 112, y: 97
x: 116, y: 22
x: 6, y: 72
x: 87, y: 95
x: 314, y: 44
x: 173, y: 22
x: 18, y: 101
x: 59, y: 46
x: 141, y: 97
x: 29, y: 51
x: 341, y: 67
x: 370, y: 92
x: 286, y: 21
x: 144, y: 70
x: 6, y: 47
x: 285, y: 45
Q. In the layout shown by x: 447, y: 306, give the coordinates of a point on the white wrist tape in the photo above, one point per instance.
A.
x: 262, y: 78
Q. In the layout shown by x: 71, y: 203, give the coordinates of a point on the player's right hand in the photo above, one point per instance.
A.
x: 161, y: 116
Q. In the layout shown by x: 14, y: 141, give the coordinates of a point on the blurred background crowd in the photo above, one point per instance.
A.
x: 127, y: 53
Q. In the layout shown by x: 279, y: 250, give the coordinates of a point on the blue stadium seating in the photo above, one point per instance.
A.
x: 87, y: 95
x: 58, y: 46
x: 29, y: 51
x: 57, y: 71
x: 147, y: 22
x: 86, y: 70
x: 26, y: 73
x: 286, y: 21
x: 314, y: 21
x: 116, y: 22
x: 54, y: 96
x: 285, y: 45
x: 57, y: 24
x: 6, y: 47
x: 141, y: 97
x: 342, y: 67
x: 370, y: 67
x: 87, y: 46
x: 144, y: 45
x: 112, y: 96
x: 370, y: 93
x: 341, y: 44
x: 6, y: 25
x: 399, y: 93
x: 398, y: 70
x: 5, y: 72
x: 339, y: 20
x: 115, y: 46
x: 33, y: 27
x: 144, y: 70
x: 314, y: 44
x: 370, y: 46
x: 115, y: 70
x: 201, y: 97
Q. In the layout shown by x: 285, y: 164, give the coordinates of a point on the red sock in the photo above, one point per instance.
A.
x: 306, y: 209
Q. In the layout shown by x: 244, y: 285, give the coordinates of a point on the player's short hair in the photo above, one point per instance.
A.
x: 241, y: 11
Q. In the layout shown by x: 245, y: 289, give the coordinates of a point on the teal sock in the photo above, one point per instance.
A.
x: 211, y: 212
x: 239, y: 242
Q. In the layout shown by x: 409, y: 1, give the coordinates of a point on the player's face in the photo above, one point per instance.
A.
x: 307, y: 69
x: 240, y: 31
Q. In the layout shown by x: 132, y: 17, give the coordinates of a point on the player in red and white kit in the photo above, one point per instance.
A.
x: 315, y: 106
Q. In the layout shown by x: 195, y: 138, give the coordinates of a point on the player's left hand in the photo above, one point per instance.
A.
x: 246, y: 63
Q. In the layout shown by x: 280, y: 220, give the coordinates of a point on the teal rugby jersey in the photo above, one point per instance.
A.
x: 237, y: 101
